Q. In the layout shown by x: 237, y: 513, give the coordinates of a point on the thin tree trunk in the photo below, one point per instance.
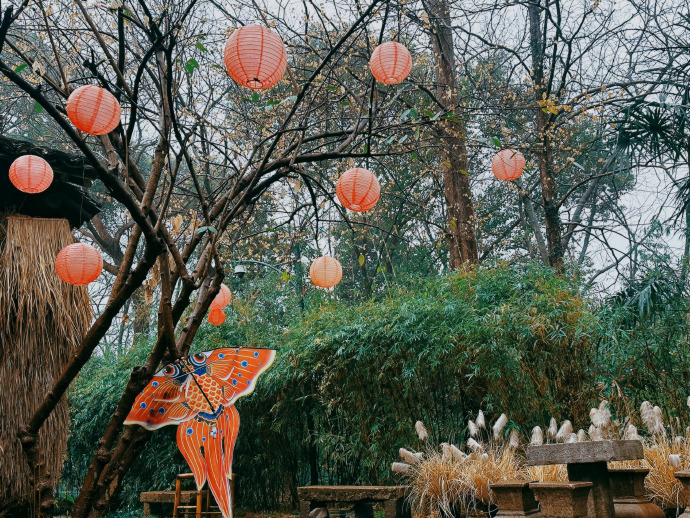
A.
x: 543, y: 148
x: 462, y: 237
x: 532, y: 217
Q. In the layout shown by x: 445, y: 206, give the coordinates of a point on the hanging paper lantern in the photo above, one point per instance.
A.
x: 93, y: 110
x: 390, y: 63
x: 358, y: 189
x: 216, y: 316
x: 223, y: 298
x: 255, y: 57
x: 325, y: 272
x: 30, y: 173
x: 79, y: 264
x: 508, y: 164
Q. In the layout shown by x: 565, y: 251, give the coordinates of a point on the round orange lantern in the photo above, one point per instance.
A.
x: 30, y: 173
x: 508, y: 164
x: 358, y: 189
x: 93, y: 110
x: 216, y: 316
x: 223, y: 298
x: 255, y: 57
x: 79, y: 264
x: 390, y: 63
x: 326, y: 272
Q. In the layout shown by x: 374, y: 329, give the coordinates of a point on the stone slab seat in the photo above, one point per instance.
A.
x: 584, y: 452
x: 359, y: 498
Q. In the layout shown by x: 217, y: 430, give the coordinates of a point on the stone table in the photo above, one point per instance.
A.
x: 587, y: 462
x: 359, y: 498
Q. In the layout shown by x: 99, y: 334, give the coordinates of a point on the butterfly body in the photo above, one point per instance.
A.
x: 197, y: 393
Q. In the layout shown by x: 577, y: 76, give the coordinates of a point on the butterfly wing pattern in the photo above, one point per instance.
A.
x: 197, y: 393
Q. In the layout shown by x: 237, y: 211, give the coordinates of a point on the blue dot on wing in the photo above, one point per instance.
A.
x: 256, y: 354
x: 190, y: 431
x: 244, y: 363
x: 155, y: 383
x: 142, y: 405
x: 234, y: 382
x: 221, y: 356
x: 249, y: 382
x: 239, y: 374
x: 161, y: 410
x: 203, y: 439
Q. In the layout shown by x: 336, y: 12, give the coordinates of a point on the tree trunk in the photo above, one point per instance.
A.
x: 543, y: 148
x: 462, y: 237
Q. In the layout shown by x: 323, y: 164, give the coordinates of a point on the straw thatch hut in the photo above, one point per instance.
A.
x: 43, y: 318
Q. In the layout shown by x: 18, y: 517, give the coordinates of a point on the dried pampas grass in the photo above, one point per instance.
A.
x: 421, y: 431
x: 537, y: 438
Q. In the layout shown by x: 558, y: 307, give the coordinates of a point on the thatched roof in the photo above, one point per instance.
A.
x: 44, y: 318
x: 67, y: 197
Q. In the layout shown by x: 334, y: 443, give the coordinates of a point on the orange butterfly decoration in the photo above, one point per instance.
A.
x: 198, y: 393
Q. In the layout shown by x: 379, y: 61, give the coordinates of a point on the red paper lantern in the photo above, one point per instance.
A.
x: 30, y: 173
x: 93, y: 110
x: 79, y: 264
x: 390, y: 63
x: 325, y: 272
x: 255, y: 57
x: 216, y: 316
x: 358, y: 189
x: 223, y: 298
x: 508, y: 164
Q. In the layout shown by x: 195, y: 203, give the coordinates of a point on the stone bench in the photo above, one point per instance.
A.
x: 161, y: 502
x: 587, y: 462
x: 358, y: 498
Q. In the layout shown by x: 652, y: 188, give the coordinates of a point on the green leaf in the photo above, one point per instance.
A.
x: 201, y: 47
x: 191, y: 65
x: 255, y: 97
x: 204, y: 229
x: 414, y: 155
x: 361, y: 260
x: 345, y: 103
x: 21, y: 67
x: 286, y: 276
x: 403, y: 139
x: 578, y: 166
x: 390, y: 139
x: 292, y: 98
x: 495, y: 141
x: 37, y: 107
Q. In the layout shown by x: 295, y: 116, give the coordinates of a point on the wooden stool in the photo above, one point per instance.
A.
x: 203, y: 507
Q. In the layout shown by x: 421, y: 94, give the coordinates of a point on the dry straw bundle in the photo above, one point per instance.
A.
x: 43, y: 319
